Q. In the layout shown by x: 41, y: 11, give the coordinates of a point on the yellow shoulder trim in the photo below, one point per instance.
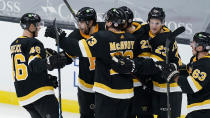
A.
x: 22, y: 37
x: 137, y: 25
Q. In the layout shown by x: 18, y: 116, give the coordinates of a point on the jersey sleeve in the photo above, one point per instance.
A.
x: 174, y: 56
x: 36, y: 58
x: 196, y: 81
x: 91, y: 47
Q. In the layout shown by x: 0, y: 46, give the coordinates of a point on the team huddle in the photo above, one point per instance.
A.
x: 122, y: 67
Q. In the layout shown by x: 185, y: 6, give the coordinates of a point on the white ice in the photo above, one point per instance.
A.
x: 12, y: 111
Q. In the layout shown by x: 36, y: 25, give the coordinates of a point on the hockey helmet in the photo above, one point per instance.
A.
x: 202, y: 39
x: 128, y: 13
x: 28, y: 19
x: 156, y: 13
x: 117, y: 17
x: 86, y: 14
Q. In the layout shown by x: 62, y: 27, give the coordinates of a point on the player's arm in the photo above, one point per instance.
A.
x: 174, y: 56
x: 190, y: 84
x: 38, y: 63
x: 195, y: 82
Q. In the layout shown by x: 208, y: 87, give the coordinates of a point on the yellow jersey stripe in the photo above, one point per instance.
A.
x: 137, y: 25
x: 116, y: 91
x: 144, y: 54
x: 198, y: 104
x: 31, y: 58
x: 164, y: 85
x: 112, y: 72
x: 86, y: 47
x: 33, y: 93
x: 84, y: 83
x: 194, y: 84
x: 156, y: 58
x: 69, y: 55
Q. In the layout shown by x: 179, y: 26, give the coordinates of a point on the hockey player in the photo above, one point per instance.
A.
x: 142, y: 102
x: 34, y: 87
x: 113, y: 91
x: 196, y: 84
x: 155, y: 38
x: 158, y: 34
x: 86, y: 18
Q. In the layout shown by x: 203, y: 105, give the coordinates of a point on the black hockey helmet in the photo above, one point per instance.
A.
x: 202, y: 39
x: 117, y: 17
x: 128, y: 13
x: 86, y: 14
x: 28, y: 19
x: 156, y: 13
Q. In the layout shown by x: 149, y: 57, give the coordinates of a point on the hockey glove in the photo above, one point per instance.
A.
x: 68, y: 59
x: 145, y: 66
x: 123, y: 65
x: 56, y: 61
x: 169, y: 71
x: 53, y: 80
x: 51, y: 32
x: 50, y: 52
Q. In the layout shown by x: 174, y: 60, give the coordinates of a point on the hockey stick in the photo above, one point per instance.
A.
x: 59, y: 71
x: 71, y: 10
x: 168, y: 42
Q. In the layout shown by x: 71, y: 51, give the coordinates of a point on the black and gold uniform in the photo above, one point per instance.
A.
x: 29, y: 70
x: 86, y: 95
x: 197, y: 88
x: 196, y: 84
x: 33, y: 87
x: 113, y: 90
x: 103, y: 45
x: 142, y: 101
x: 177, y: 99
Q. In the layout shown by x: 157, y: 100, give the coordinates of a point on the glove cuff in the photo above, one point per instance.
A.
x: 172, y: 75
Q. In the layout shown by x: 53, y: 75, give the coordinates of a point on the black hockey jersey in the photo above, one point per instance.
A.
x: 196, y: 85
x: 29, y: 70
x: 86, y: 64
x: 142, y: 47
x: 156, y: 50
x: 103, y: 45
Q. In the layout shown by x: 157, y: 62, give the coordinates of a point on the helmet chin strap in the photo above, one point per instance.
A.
x: 88, y: 30
x: 33, y: 33
x: 197, y: 52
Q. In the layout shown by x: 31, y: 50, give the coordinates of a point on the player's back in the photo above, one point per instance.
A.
x: 27, y: 80
x: 107, y: 81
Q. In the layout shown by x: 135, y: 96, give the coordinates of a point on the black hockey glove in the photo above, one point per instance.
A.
x: 51, y: 32
x: 50, y: 52
x: 53, y: 80
x: 145, y: 66
x: 56, y: 61
x: 69, y: 60
x: 123, y: 65
x: 169, y: 71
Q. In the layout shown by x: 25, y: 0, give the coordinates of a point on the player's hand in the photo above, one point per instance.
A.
x: 169, y: 71
x: 56, y: 61
x: 50, y: 52
x: 123, y: 65
x: 51, y: 32
x: 69, y: 59
x: 53, y: 80
x: 145, y: 66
